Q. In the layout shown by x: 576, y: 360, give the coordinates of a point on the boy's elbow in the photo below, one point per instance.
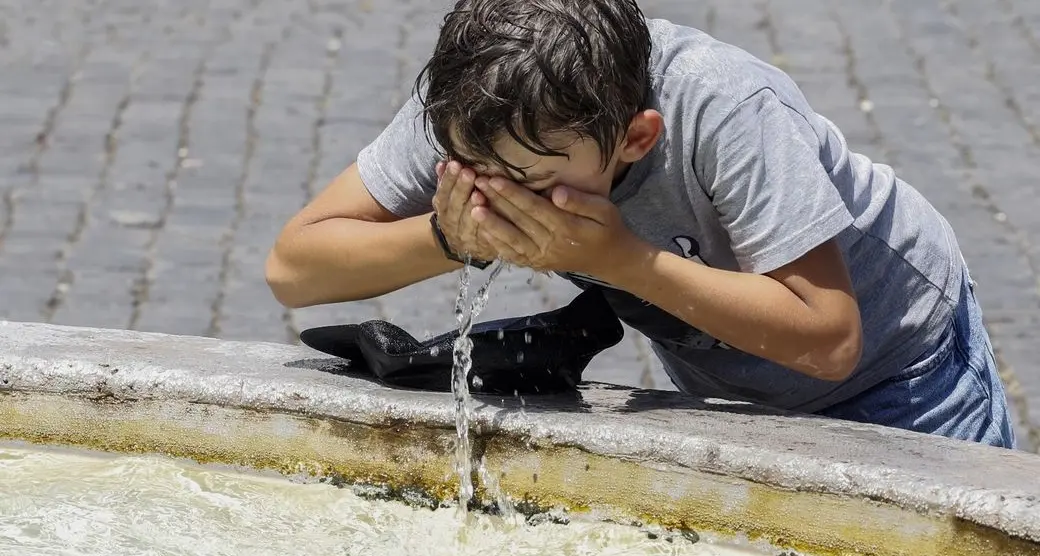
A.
x: 845, y: 354
x: 281, y: 281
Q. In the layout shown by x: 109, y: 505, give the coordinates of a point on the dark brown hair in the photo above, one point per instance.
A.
x: 528, y: 68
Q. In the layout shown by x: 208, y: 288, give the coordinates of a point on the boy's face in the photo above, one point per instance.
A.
x: 582, y: 169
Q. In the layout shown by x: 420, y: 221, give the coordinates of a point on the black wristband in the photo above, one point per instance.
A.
x: 451, y: 255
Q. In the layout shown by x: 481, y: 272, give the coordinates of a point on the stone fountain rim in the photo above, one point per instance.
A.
x: 927, y: 474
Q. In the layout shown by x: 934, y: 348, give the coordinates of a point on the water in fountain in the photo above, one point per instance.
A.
x: 63, y: 502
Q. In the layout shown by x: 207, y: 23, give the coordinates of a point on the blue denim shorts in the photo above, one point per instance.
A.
x: 953, y: 390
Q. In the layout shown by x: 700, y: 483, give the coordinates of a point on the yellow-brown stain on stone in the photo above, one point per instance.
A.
x: 816, y: 523
x: 288, y: 444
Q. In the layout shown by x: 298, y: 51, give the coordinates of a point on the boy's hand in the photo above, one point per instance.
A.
x: 570, y: 232
x: 454, y: 201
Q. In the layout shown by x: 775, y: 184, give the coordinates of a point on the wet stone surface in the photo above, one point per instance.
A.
x: 150, y: 151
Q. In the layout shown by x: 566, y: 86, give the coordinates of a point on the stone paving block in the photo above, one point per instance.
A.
x: 14, y: 158
x: 25, y: 111
x: 193, y: 254
x: 36, y: 268
x: 84, y: 165
x: 47, y: 223
x: 354, y: 312
x: 31, y: 242
x: 24, y: 300
x: 206, y: 221
x: 340, y: 144
x: 138, y: 206
x: 219, y: 124
x: 187, y: 318
x: 1014, y: 58
x: 153, y: 122
x: 181, y: 294
x: 742, y: 23
x: 426, y: 308
x: 1030, y: 12
x: 678, y: 11
x: 625, y: 364
x: 110, y: 243
x: 98, y: 296
x: 250, y: 311
x: 1016, y: 345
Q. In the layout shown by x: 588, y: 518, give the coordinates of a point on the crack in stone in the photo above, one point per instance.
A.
x: 332, y: 54
x: 1019, y: 23
x: 66, y: 276
x: 141, y: 290
x: 1016, y: 393
x: 857, y: 84
x: 10, y: 196
x: 711, y: 19
x: 227, y: 242
x: 252, y: 138
x: 950, y: 6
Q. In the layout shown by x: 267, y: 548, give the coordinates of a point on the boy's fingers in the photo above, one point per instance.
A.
x: 504, y: 232
x: 520, y: 197
x: 580, y: 203
x: 445, y: 186
x: 459, y: 196
x: 468, y: 227
x: 504, y: 250
x: 531, y: 222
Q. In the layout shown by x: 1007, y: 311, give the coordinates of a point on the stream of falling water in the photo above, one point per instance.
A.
x: 463, y: 362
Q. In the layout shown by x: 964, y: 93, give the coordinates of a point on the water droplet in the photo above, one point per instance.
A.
x: 501, y: 334
x: 478, y: 383
x: 527, y: 337
x: 520, y: 357
x: 435, y: 351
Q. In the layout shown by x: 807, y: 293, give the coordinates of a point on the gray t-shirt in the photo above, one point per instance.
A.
x: 746, y: 177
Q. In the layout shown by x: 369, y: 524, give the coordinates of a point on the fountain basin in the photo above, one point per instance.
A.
x: 806, y: 483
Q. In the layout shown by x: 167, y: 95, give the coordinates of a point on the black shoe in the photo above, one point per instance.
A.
x: 543, y: 353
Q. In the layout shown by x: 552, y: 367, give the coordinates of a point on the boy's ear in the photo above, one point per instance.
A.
x: 643, y: 133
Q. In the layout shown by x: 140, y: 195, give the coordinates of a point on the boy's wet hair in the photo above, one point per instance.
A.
x: 530, y: 68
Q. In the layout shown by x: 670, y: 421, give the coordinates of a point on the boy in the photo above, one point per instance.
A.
x: 727, y: 221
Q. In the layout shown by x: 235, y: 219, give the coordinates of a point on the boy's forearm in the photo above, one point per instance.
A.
x: 750, y: 312
x: 339, y: 259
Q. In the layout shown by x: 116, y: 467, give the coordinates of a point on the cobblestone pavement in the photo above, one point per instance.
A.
x: 150, y: 151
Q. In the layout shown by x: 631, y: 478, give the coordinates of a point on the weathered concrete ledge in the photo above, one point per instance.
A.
x: 800, y: 481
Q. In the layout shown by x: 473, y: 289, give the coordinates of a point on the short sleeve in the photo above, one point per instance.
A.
x: 763, y: 173
x: 399, y: 166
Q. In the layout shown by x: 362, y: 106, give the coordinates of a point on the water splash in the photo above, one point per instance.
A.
x: 505, y: 506
x: 463, y: 362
